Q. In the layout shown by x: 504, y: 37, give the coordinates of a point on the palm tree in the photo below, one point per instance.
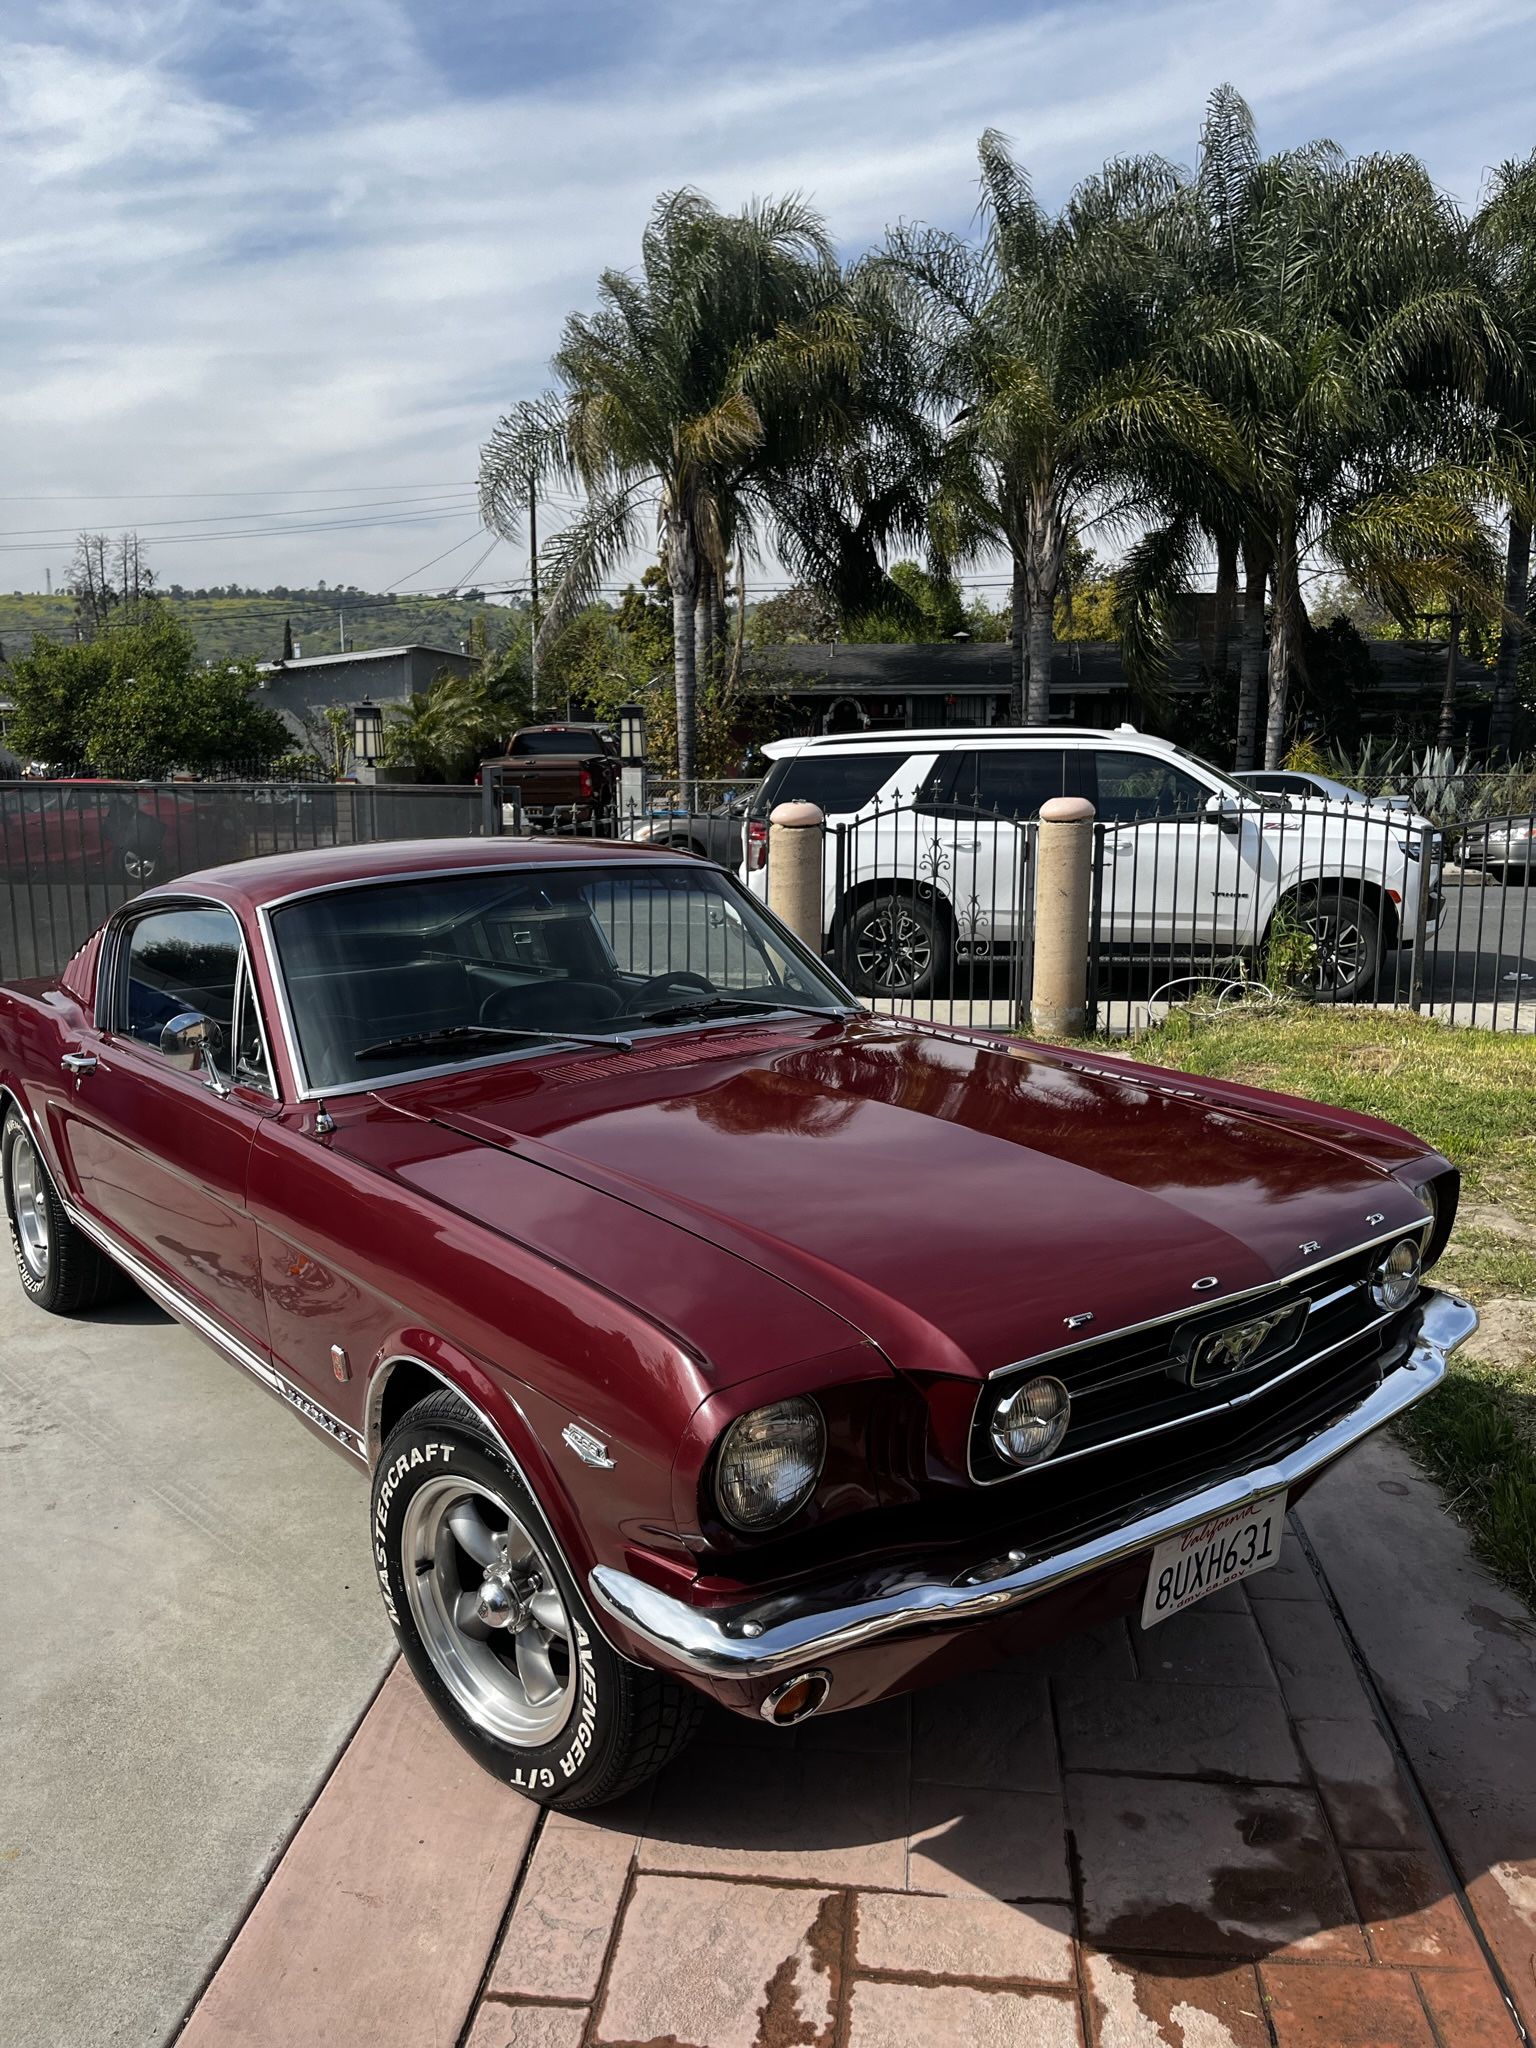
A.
x: 731, y: 334
x: 1504, y: 242
x: 1041, y: 340
x: 1350, y: 343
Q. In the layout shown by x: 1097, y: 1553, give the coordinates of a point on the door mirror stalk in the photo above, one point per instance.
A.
x: 187, y: 1043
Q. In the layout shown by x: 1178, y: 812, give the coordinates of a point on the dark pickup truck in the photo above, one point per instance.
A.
x: 563, y: 775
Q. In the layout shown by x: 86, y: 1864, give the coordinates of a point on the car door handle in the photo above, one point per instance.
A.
x: 78, y: 1063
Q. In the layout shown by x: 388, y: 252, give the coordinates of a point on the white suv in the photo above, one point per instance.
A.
x: 927, y: 855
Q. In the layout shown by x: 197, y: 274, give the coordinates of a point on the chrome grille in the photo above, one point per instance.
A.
x: 1129, y: 1386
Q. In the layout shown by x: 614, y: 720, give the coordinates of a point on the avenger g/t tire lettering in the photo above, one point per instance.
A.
x: 495, y: 1628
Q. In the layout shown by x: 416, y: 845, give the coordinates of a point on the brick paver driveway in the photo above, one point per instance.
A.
x: 1198, y: 1837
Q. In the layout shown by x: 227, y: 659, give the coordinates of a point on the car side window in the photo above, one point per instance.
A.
x: 1134, y: 786
x: 1016, y: 781
x: 252, y: 1068
x: 192, y: 958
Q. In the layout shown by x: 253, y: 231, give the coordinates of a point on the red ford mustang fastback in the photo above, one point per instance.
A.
x: 704, y: 1334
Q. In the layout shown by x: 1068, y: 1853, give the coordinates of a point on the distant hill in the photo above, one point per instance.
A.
x: 252, y: 623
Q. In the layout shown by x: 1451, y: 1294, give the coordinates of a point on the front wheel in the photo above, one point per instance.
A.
x: 496, y: 1629
x: 1345, y: 939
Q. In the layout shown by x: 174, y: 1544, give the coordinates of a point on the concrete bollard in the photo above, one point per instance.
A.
x: 796, y: 852
x: 1063, y: 885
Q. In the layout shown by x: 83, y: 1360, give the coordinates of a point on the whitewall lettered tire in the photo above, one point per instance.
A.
x: 495, y: 1627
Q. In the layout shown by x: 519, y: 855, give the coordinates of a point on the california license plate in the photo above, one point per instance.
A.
x: 1214, y: 1554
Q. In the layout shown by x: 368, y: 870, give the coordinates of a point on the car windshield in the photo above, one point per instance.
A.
x: 444, y: 969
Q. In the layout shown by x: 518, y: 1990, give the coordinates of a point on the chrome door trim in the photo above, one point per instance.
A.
x: 187, y: 1311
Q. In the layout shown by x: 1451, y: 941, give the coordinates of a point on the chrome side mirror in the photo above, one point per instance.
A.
x: 189, y: 1042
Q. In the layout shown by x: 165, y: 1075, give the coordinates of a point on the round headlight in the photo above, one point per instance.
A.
x: 1031, y: 1422
x: 769, y: 1461
x: 1395, y: 1275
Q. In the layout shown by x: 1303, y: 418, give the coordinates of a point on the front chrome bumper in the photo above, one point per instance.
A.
x: 767, y: 1635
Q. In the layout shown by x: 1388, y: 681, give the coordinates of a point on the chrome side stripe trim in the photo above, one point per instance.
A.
x: 186, y: 1311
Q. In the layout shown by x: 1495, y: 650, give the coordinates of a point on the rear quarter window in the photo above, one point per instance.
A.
x: 837, y: 782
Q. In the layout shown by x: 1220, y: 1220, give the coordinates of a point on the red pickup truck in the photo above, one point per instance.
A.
x: 565, y: 776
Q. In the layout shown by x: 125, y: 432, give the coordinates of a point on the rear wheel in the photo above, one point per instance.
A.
x: 896, y: 943
x: 497, y: 1630
x: 59, y: 1267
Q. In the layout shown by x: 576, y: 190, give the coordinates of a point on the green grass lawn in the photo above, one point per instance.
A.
x: 1472, y: 1095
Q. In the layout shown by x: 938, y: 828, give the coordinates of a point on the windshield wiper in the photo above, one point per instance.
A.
x: 466, y: 1034
x: 721, y: 1006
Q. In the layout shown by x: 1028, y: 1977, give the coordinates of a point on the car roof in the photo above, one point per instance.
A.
x: 921, y: 737
x: 248, y: 884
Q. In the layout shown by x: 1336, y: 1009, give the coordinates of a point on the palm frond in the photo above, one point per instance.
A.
x: 576, y: 561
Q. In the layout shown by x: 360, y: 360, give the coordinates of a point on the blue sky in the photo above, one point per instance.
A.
x: 301, y: 252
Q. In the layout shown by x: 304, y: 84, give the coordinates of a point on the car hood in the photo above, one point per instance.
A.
x: 955, y: 1200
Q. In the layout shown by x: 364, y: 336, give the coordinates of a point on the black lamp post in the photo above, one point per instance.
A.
x: 367, y: 732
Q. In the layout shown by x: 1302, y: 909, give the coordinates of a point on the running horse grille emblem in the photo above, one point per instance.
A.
x: 1223, y: 1354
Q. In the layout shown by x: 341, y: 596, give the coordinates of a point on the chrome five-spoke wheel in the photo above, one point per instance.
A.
x: 29, y: 1199
x: 488, y: 1610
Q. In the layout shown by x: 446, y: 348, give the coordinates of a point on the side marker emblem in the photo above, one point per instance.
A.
x: 1076, y: 1322
x: 590, y: 1449
x: 1204, y: 1286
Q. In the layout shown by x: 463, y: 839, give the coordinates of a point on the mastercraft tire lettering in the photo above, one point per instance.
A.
x: 495, y: 1627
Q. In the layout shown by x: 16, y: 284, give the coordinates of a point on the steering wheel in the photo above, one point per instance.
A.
x: 663, y: 984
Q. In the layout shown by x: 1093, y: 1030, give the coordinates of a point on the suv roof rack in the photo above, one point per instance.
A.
x: 967, y: 734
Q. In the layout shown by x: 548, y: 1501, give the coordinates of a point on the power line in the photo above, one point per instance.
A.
x: 146, y: 529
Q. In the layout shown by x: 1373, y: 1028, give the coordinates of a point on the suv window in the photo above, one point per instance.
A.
x: 1132, y: 786
x: 1013, y: 780
x: 837, y: 782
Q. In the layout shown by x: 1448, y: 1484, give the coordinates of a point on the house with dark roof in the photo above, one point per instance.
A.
x: 847, y: 688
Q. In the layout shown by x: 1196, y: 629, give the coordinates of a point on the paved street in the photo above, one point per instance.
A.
x: 190, y: 1632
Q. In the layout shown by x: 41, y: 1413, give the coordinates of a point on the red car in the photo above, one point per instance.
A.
x: 705, y: 1334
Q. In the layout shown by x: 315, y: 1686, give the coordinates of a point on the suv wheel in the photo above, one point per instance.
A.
x: 1346, y: 944
x: 496, y: 1629
x: 896, y: 944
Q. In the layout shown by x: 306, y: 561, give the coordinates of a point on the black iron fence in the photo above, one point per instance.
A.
x: 928, y: 908
x: 71, y: 852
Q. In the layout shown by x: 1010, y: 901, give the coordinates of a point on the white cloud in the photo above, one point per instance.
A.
x: 269, y: 246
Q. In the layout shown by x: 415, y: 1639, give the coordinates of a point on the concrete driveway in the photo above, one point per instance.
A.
x: 190, y: 1630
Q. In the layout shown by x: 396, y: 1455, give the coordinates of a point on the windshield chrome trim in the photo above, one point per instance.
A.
x: 373, y: 1084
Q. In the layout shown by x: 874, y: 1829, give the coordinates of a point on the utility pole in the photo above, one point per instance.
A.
x: 1446, y: 737
x: 533, y: 584
x: 341, y: 632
